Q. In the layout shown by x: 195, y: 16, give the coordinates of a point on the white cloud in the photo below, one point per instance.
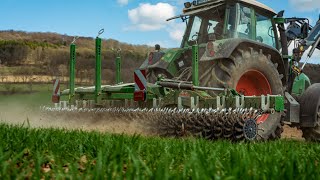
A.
x: 151, y: 17
x: 176, y: 31
x: 176, y: 2
x: 305, y: 5
x: 123, y: 2
x: 148, y: 17
x: 163, y: 44
x: 314, y: 58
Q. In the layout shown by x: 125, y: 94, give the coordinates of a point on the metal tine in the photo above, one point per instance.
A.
x: 207, y: 122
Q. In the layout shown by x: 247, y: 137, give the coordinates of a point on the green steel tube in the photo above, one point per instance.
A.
x: 72, y: 72
x: 118, y: 69
x: 195, y: 65
x: 98, y: 70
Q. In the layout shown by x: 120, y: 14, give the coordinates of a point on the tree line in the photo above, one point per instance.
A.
x: 47, y: 54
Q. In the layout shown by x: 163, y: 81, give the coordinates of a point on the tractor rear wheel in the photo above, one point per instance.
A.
x: 310, y: 108
x: 250, y: 72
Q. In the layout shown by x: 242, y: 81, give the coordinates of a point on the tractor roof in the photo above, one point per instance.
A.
x: 259, y: 5
x: 209, y: 4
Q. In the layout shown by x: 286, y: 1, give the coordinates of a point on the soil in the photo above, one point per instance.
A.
x: 291, y: 133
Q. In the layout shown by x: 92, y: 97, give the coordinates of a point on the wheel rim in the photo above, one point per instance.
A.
x: 254, y: 82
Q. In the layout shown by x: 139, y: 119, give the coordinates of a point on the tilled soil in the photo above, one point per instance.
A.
x: 291, y: 133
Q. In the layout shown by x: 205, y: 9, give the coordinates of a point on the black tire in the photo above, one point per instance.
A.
x: 183, y: 75
x: 310, y: 108
x: 151, y: 76
x: 227, y: 72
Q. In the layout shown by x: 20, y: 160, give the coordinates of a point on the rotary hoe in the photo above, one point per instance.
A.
x: 232, y: 78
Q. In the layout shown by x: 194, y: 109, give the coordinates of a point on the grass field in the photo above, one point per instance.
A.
x: 51, y: 153
x: 28, y: 152
x: 41, y: 94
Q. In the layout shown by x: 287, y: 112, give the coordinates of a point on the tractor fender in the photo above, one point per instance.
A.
x: 170, y: 62
x: 225, y: 48
x: 300, y: 84
x: 161, y: 67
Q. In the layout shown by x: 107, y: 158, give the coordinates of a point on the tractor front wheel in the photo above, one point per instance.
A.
x: 310, y: 111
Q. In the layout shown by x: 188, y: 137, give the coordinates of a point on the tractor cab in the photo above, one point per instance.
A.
x: 216, y: 20
x: 218, y: 27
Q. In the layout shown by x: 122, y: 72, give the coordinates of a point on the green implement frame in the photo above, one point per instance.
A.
x: 72, y: 72
x: 118, y: 69
x: 165, y: 93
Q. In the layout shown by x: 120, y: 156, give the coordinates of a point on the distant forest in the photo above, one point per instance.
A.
x: 24, y: 53
x: 24, y: 56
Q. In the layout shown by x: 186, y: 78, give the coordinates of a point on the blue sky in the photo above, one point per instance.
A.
x: 131, y: 21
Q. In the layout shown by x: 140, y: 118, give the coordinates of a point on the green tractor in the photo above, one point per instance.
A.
x: 232, y: 78
x: 243, y: 45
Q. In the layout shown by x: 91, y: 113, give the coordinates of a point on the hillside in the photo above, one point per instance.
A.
x: 23, y: 53
x: 25, y: 56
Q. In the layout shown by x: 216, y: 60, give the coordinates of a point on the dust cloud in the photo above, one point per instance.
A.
x: 18, y: 114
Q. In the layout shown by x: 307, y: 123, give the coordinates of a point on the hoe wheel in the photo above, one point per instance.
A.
x: 250, y: 72
x: 310, y: 106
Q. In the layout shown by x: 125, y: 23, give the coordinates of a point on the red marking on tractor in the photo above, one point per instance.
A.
x: 210, y: 48
x: 184, y: 94
x: 150, y: 58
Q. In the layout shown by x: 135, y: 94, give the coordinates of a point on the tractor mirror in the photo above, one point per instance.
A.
x: 280, y: 14
x: 304, y: 30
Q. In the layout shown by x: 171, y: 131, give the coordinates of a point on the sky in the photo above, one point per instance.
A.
x: 130, y: 21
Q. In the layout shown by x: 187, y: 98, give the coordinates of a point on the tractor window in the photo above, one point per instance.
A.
x: 244, y: 26
x: 206, y: 26
x: 211, y: 26
x: 215, y: 30
x: 215, y: 25
x: 264, y: 29
x: 194, y: 33
x: 231, y: 31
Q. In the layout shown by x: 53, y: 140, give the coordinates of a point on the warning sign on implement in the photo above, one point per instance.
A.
x: 140, y: 86
x: 140, y: 80
x: 56, y: 91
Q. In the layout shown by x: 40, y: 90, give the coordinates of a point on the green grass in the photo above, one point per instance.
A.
x: 29, y: 153
x: 26, y: 87
x: 41, y: 95
x: 25, y: 152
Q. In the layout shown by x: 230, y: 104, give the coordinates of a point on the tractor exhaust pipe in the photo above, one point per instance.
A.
x: 285, y: 50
